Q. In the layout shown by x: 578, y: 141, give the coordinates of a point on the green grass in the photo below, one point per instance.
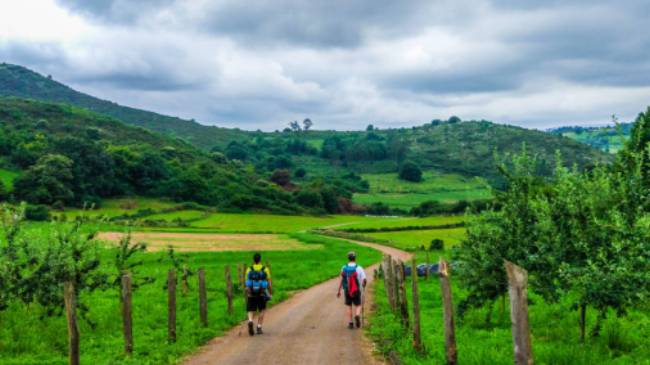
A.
x: 117, y: 207
x: 554, y: 333
x: 7, y: 178
x: 26, y: 338
x: 413, y: 240
x: 398, y: 222
x: 176, y: 215
x: 445, y: 188
x: 608, y: 142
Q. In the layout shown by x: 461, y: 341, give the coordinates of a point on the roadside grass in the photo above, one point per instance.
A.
x: 445, y: 188
x: 7, y: 178
x: 554, y: 330
x: 27, y: 336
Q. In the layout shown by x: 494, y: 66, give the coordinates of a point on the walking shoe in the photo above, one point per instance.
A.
x: 357, y: 320
x: 350, y: 325
x: 259, y: 330
x: 250, y: 328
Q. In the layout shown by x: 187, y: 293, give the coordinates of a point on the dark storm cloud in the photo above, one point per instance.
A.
x: 118, y: 11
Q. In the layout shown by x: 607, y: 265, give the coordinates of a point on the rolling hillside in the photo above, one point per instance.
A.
x: 608, y: 139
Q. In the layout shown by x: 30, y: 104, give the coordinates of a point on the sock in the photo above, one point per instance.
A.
x: 259, y: 325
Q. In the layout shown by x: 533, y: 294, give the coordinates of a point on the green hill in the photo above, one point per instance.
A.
x: 21, y: 82
x: 608, y: 139
x: 71, y: 156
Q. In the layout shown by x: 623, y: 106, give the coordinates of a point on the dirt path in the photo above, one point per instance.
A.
x: 308, y: 328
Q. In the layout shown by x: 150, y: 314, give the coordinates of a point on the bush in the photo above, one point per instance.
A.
x: 4, y: 194
x: 436, y: 244
x: 37, y: 213
x: 300, y: 173
x: 410, y: 172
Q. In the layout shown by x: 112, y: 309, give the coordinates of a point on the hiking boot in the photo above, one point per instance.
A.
x: 357, y: 321
x: 251, y: 329
x: 350, y: 325
x: 259, y: 330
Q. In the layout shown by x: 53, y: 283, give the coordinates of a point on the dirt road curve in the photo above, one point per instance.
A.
x: 309, y: 328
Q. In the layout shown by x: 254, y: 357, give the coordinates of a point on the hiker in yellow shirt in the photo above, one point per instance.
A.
x: 258, y: 291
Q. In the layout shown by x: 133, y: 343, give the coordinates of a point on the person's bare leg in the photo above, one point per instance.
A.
x: 358, y: 309
x: 251, y: 316
x: 350, y: 313
x: 260, y: 318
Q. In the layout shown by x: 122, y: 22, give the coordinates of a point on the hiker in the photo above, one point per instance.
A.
x: 258, y: 291
x: 353, y: 282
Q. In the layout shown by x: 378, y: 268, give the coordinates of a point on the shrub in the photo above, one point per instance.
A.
x: 436, y: 244
x: 37, y: 213
x: 300, y: 173
x: 410, y: 172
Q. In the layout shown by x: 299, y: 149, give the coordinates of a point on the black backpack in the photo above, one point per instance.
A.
x: 257, y: 280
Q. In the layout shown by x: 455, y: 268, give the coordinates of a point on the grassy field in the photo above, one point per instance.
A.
x: 554, y: 333
x: 45, y: 342
x: 117, y: 207
x: 7, y: 177
x: 445, y: 188
x: 402, y: 222
x: 414, y: 240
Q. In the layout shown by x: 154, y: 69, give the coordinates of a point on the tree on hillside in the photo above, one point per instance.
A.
x: 295, y: 126
x: 4, y: 194
x: 307, y: 124
x: 410, y: 171
x: 281, y: 177
x: 48, y: 181
x: 453, y: 120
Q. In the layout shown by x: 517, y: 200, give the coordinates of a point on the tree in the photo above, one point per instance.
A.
x: 295, y: 126
x: 453, y: 120
x: 370, y: 128
x: 409, y: 171
x: 48, y: 181
x: 281, y: 177
x: 300, y: 173
x: 4, y: 194
x: 307, y: 124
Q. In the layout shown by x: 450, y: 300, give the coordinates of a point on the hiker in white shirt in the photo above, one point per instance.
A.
x: 353, y: 282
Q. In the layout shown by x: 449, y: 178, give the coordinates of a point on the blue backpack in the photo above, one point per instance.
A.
x: 257, y: 280
x: 350, y: 280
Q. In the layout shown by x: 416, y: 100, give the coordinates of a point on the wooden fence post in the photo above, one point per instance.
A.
x: 171, y: 306
x: 229, y: 289
x: 203, y: 298
x: 398, y: 277
x: 185, y: 288
x: 127, y: 316
x: 448, y: 313
x: 403, y: 303
x: 417, y: 338
x: 388, y: 280
x: 518, y: 291
x: 70, y: 299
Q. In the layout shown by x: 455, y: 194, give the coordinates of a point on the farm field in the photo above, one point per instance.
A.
x: 444, y: 188
x: 403, y: 222
x: 414, y: 240
x: 555, y: 334
x: 203, y: 242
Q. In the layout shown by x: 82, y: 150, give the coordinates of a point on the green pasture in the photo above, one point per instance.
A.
x: 414, y: 240
x: 28, y: 336
x: 404, y: 222
x: 445, y: 188
x: 554, y: 328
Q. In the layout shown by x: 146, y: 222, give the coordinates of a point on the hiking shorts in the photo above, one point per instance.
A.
x: 255, y: 303
x: 355, y: 299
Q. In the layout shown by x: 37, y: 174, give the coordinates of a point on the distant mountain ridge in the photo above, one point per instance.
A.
x: 19, y: 81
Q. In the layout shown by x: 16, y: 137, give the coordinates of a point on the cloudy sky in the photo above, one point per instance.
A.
x: 344, y: 63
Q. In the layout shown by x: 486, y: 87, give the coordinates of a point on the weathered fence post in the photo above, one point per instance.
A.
x: 518, y: 291
x: 70, y: 299
x: 229, y: 289
x: 403, y: 303
x: 127, y: 317
x: 448, y: 313
x: 388, y: 281
x: 417, y: 338
x: 398, y: 276
x: 203, y: 298
x: 171, y: 306
x: 426, y: 270
x: 185, y: 288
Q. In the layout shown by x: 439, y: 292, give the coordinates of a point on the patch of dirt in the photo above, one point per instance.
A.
x: 197, y: 242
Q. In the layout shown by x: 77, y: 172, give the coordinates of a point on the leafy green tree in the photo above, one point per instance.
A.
x: 410, y: 171
x: 4, y: 193
x: 281, y: 177
x: 48, y: 181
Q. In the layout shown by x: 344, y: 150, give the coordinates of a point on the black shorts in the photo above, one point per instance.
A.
x: 355, y: 299
x: 256, y: 303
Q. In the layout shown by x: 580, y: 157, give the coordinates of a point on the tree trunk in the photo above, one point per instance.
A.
x: 171, y: 306
x: 203, y: 298
x: 229, y: 289
x: 403, y: 303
